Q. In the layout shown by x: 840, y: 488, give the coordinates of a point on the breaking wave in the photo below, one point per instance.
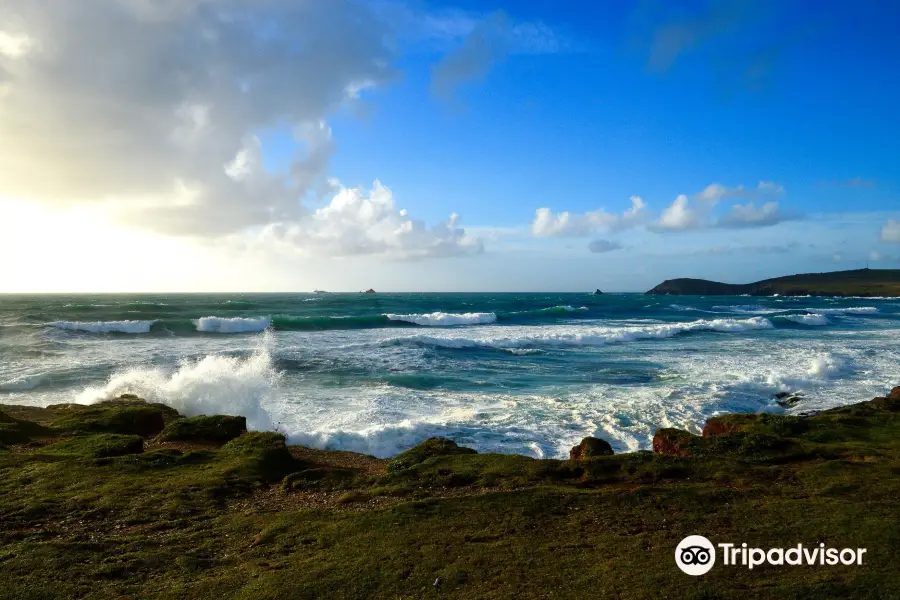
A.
x: 215, y: 384
x: 591, y: 337
x: 440, y: 319
x: 231, y: 324
x: 814, y: 319
x: 106, y: 326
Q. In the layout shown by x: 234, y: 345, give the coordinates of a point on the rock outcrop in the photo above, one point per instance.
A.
x: 859, y: 282
x: 590, y: 447
x: 673, y: 442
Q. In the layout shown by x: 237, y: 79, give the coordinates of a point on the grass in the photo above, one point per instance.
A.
x: 256, y: 518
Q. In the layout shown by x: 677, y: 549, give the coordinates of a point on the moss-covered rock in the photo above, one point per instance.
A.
x: 101, y: 445
x: 16, y: 431
x: 127, y: 417
x: 674, y: 442
x: 779, y: 425
x: 436, y: 446
x: 272, y: 457
x: 590, y: 447
x: 216, y: 428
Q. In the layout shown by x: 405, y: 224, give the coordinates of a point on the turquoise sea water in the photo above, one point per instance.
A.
x: 525, y: 373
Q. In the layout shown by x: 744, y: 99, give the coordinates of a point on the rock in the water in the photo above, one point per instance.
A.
x: 369, y: 291
x: 789, y: 401
x: 782, y: 395
x: 597, y: 292
x: 589, y: 448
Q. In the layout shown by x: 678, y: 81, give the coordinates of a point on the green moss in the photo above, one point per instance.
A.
x: 427, y: 449
x: 267, y: 451
x: 130, y: 417
x: 17, y: 431
x: 100, y: 445
x: 215, y: 428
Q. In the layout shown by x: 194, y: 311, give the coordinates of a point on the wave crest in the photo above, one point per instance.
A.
x: 814, y: 319
x: 231, y: 324
x: 441, y: 319
x: 106, y: 326
x: 592, y: 337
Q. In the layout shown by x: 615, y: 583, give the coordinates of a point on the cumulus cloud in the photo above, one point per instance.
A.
x: 681, y: 215
x: 548, y: 224
x: 600, y: 246
x: 160, y: 119
x: 749, y: 215
x: 171, y: 97
x: 891, y: 231
x: 685, y: 213
x: 366, y: 222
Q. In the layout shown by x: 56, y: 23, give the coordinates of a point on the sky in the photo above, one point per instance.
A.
x: 489, y: 145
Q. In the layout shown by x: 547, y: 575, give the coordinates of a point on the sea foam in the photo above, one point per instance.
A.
x: 441, y: 319
x: 106, y: 326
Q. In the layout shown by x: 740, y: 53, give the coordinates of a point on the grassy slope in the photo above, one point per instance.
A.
x: 183, y: 520
x: 860, y: 282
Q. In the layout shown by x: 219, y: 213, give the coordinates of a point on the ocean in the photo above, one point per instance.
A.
x: 517, y: 373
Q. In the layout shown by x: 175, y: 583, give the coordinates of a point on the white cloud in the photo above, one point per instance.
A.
x: 357, y: 222
x: 15, y: 45
x: 547, y: 224
x: 600, y: 246
x: 680, y: 215
x: 172, y: 94
x: 875, y: 255
x: 748, y: 215
x: 683, y: 214
x: 891, y: 231
x: 715, y: 192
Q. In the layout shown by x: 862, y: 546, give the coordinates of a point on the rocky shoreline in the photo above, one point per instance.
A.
x: 127, y: 498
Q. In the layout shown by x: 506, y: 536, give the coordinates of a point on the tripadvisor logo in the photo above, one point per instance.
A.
x: 696, y: 555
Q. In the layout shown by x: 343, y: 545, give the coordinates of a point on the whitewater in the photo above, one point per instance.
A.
x: 524, y: 373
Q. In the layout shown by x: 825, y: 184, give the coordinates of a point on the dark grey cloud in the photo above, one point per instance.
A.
x: 486, y: 45
x: 600, y: 246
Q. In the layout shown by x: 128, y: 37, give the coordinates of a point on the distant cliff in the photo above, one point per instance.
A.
x: 860, y: 282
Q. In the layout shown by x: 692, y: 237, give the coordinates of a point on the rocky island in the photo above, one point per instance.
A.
x: 131, y: 499
x: 859, y: 282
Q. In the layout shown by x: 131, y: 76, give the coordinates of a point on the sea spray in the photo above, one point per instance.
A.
x: 216, y: 384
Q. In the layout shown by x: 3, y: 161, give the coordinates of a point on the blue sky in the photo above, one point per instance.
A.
x: 770, y: 92
x: 776, y: 121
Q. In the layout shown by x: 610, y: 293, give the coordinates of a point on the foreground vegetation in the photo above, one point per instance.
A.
x: 858, y: 282
x: 129, y: 500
